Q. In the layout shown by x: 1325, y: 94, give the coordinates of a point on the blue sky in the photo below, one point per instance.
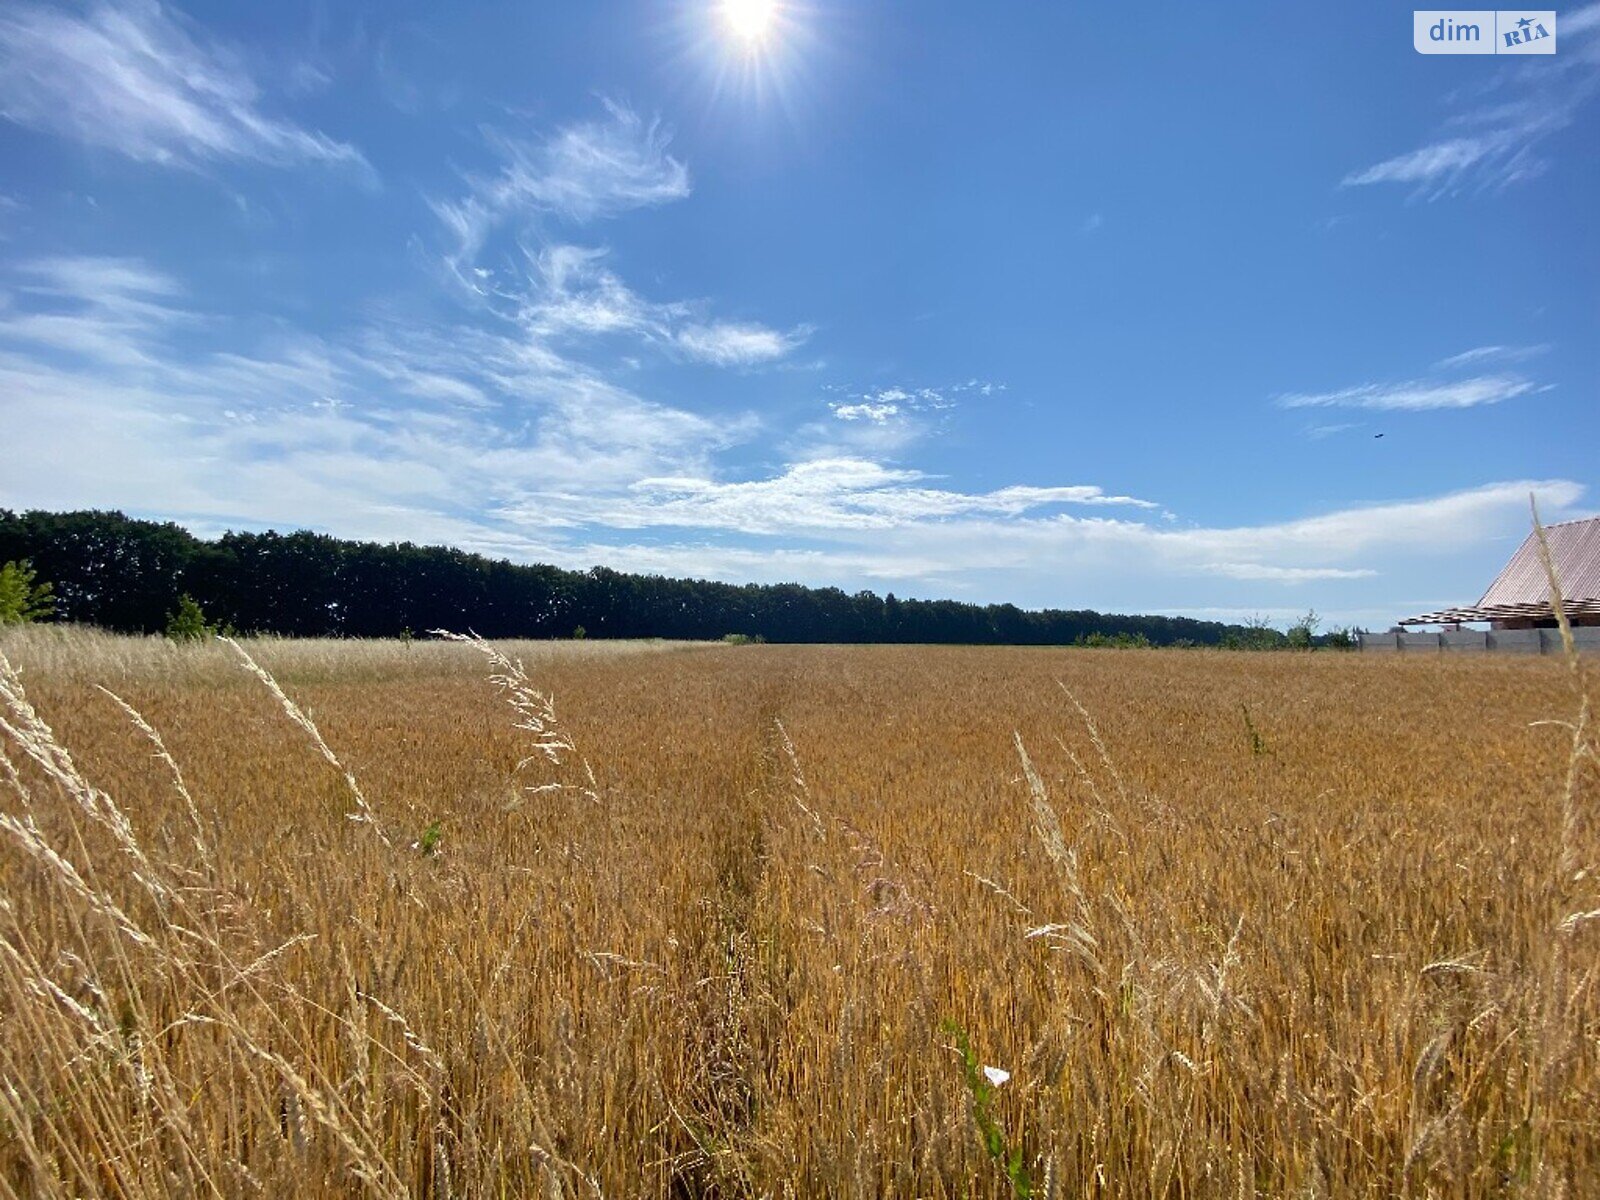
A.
x: 1053, y: 304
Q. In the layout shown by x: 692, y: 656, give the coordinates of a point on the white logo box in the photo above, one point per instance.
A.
x: 1484, y: 31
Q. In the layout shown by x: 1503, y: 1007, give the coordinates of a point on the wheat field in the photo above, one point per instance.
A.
x: 793, y: 921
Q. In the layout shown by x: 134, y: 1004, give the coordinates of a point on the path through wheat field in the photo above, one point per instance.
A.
x: 793, y: 921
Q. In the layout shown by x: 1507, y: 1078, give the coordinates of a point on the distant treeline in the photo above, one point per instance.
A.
x: 129, y: 575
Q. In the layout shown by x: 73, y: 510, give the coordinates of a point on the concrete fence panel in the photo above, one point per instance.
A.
x: 1517, y: 641
x: 1473, y: 641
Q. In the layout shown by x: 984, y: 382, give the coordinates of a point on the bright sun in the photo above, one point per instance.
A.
x: 750, y: 20
x: 757, y: 49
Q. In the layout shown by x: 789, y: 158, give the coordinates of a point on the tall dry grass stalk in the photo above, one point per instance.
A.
x: 1362, y: 965
x: 535, y: 713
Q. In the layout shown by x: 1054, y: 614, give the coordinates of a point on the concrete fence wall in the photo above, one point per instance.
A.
x: 1474, y: 641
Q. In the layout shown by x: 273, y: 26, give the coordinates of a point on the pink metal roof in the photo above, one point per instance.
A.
x: 1575, y: 551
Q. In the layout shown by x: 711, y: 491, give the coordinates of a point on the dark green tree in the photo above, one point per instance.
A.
x: 129, y: 575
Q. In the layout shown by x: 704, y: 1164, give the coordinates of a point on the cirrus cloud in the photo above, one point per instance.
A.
x: 1415, y: 395
x: 734, y: 343
x: 132, y: 77
x: 582, y: 172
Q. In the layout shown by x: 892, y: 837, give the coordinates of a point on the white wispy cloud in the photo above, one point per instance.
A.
x: 1483, y: 354
x: 1019, y: 497
x: 104, y: 393
x: 1581, y: 20
x: 981, y: 387
x: 877, y: 412
x: 100, y: 308
x: 1415, y: 395
x: 1269, y: 573
x: 734, y: 343
x: 883, y: 420
x: 808, y: 498
x: 582, y: 172
x: 572, y: 292
x: 135, y: 78
x: 1504, y: 152
x: 98, y: 279
x: 882, y: 404
x: 1498, y: 143
x: 1434, y: 523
